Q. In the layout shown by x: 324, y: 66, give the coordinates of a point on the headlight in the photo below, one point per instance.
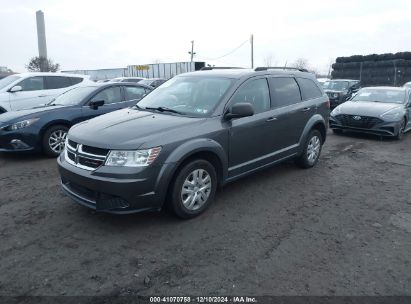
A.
x: 390, y: 115
x: 22, y: 124
x: 138, y: 158
x: 336, y: 111
x: 335, y: 95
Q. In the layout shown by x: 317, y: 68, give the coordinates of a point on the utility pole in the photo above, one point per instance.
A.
x: 41, y: 38
x: 192, y: 53
x: 252, y: 51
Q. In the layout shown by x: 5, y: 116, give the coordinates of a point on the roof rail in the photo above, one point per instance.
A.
x: 279, y: 68
x: 218, y: 68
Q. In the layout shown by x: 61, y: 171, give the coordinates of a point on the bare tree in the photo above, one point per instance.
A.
x: 300, y: 63
x: 41, y: 64
x: 269, y: 60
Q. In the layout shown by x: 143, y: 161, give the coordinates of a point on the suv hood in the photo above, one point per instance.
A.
x: 367, y: 108
x: 129, y: 128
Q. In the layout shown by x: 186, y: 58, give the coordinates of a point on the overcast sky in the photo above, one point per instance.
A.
x: 108, y: 34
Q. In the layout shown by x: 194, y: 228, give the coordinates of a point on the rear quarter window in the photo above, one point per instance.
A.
x: 57, y: 82
x: 309, y: 89
x: 75, y: 80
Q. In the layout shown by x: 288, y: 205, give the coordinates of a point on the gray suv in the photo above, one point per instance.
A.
x: 194, y: 133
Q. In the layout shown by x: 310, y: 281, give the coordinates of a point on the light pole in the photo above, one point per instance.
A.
x: 192, y: 53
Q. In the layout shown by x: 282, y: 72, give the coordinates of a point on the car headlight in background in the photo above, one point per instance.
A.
x: 336, y: 111
x: 137, y: 158
x: 335, y: 95
x: 21, y: 124
x: 391, y: 115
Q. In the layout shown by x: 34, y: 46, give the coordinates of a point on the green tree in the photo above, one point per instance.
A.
x: 41, y: 64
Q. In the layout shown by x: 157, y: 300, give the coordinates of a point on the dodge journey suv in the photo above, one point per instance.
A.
x: 194, y: 133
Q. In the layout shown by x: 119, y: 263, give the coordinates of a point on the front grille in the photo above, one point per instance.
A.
x: 358, y: 121
x: 85, y: 157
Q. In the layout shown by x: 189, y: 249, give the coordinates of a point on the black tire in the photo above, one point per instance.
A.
x: 303, y: 160
x: 175, y: 196
x: 401, y: 130
x: 47, y: 149
x: 338, y: 131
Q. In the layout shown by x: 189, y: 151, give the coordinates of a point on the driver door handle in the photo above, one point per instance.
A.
x: 42, y: 96
x: 305, y: 109
x: 271, y: 118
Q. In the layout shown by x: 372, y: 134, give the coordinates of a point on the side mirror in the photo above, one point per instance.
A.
x: 16, y: 88
x: 95, y: 104
x: 242, y: 109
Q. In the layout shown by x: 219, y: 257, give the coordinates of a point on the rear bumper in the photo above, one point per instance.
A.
x: 115, y: 192
x: 382, y: 129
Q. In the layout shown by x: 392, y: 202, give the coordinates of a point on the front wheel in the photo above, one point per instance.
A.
x: 193, y: 189
x: 401, y: 130
x: 54, y: 139
x: 312, y: 150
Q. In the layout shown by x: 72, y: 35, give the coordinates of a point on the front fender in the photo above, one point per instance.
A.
x: 314, y: 120
x: 185, y: 151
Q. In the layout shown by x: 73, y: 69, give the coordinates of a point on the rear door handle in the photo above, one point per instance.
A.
x: 42, y: 96
x: 305, y: 109
x: 271, y: 118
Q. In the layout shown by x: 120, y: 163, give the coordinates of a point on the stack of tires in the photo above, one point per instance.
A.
x: 375, y: 70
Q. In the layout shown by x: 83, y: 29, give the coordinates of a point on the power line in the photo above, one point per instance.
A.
x: 229, y: 53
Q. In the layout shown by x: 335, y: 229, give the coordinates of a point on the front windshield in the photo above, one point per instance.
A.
x: 73, y: 96
x: 196, y: 96
x: 380, y: 95
x: 8, y: 80
x: 336, y: 85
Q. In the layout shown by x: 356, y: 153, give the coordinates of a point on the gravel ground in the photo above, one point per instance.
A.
x: 341, y: 228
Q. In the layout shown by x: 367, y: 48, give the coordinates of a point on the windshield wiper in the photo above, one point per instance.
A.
x: 164, y: 109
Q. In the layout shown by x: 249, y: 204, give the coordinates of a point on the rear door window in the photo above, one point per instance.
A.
x: 284, y: 91
x: 134, y: 93
x: 57, y: 82
x: 110, y: 95
x: 32, y: 83
x: 309, y: 89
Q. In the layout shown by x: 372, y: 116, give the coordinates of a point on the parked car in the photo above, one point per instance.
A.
x: 127, y: 79
x: 408, y: 85
x: 341, y: 90
x: 45, y: 128
x: 27, y: 90
x: 196, y: 131
x: 153, y: 82
x: 322, y: 81
x: 382, y: 111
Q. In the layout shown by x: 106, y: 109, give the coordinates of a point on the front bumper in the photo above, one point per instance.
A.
x: 115, y: 189
x: 383, y: 128
x: 19, y: 141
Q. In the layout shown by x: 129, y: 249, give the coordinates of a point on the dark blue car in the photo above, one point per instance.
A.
x: 45, y: 128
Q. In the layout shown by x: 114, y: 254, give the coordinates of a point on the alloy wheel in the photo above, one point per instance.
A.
x: 57, y: 140
x: 196, y: 189
x: 313, y: 149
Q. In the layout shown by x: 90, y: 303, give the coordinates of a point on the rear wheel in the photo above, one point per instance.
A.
x: 401, y: 130
x: 193, y: 189
x: 312, y: 150
x: 54, y: 139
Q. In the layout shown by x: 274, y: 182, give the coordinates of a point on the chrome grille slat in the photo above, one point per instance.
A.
x: 81, y: 159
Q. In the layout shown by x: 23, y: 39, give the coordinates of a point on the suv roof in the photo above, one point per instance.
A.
x: 239, y: 73
x: 27, y: 74
x: 343, y: 80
